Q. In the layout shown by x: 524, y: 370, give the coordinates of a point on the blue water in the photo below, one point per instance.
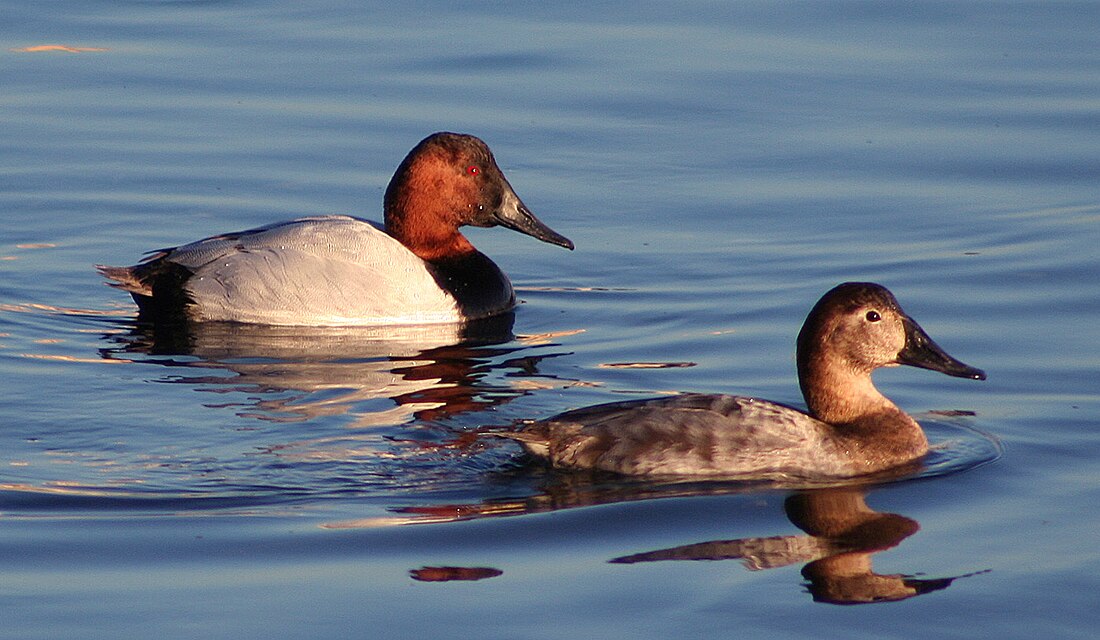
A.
x: 718, y: 166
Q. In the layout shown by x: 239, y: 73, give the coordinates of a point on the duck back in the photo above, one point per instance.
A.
x: 690, y: 434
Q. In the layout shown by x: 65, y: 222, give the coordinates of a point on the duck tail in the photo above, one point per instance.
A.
x: 125, y: 278
x: 535, y: 440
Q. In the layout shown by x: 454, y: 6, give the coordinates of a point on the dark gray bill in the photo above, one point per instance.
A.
x: 921, y: 351
x: 515, y: 215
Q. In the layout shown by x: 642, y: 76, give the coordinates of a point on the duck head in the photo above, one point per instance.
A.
x: 447, y: 181
x: 854, y: 329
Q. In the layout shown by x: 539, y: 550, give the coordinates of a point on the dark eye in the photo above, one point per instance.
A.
x: 473, y: 169
x: 873, y: 316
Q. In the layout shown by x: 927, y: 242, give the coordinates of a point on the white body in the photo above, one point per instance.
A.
x: 319, y: 271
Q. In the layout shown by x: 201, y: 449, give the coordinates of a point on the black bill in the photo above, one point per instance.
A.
x: 921, y: 351
x: 512, y: 213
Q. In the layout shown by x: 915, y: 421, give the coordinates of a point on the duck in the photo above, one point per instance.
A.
x: 849, y: 430
x: 339, y: 270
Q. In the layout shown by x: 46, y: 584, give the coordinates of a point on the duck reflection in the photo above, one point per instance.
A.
x: 553, y: 489
x: 453, y: 574
x: 294, y: 374
x: 842, y: 535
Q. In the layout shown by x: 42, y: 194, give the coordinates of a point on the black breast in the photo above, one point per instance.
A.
x: 477, y: 284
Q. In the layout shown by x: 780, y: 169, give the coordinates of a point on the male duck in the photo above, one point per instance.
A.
x: 339, y: 270
x: 851, y: 429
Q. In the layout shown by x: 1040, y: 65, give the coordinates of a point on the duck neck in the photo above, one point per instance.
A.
x: 849, y: 402
x: 421, y: 217
x: 838, y: 396
x: 422, y: 233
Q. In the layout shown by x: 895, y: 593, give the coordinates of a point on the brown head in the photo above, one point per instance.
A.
x: 450, y: 180
x: 854, y: 329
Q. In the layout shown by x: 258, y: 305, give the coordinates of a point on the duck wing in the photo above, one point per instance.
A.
x: 691, y: 434
x: 321, y: 270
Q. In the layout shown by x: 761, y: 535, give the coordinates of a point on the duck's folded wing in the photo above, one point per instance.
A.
x: 333, y: 270
x: 342, y: 237
x: 683, y: 435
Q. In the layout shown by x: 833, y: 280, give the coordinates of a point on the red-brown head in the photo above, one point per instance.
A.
x: 450, y: 180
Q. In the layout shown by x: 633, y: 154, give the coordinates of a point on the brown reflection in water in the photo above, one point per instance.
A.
x: 843, y: 535
x: 568, y: 489
x: 301, y: 373
x: 452, y: 574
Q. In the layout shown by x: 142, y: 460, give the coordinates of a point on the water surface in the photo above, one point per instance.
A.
x: 719, y: 168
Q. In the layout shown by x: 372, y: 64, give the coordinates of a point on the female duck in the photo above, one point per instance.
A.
x: 340, y: 270
x: 851, y: 428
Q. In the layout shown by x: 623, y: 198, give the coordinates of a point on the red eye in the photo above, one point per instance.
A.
x: 473, y: 169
